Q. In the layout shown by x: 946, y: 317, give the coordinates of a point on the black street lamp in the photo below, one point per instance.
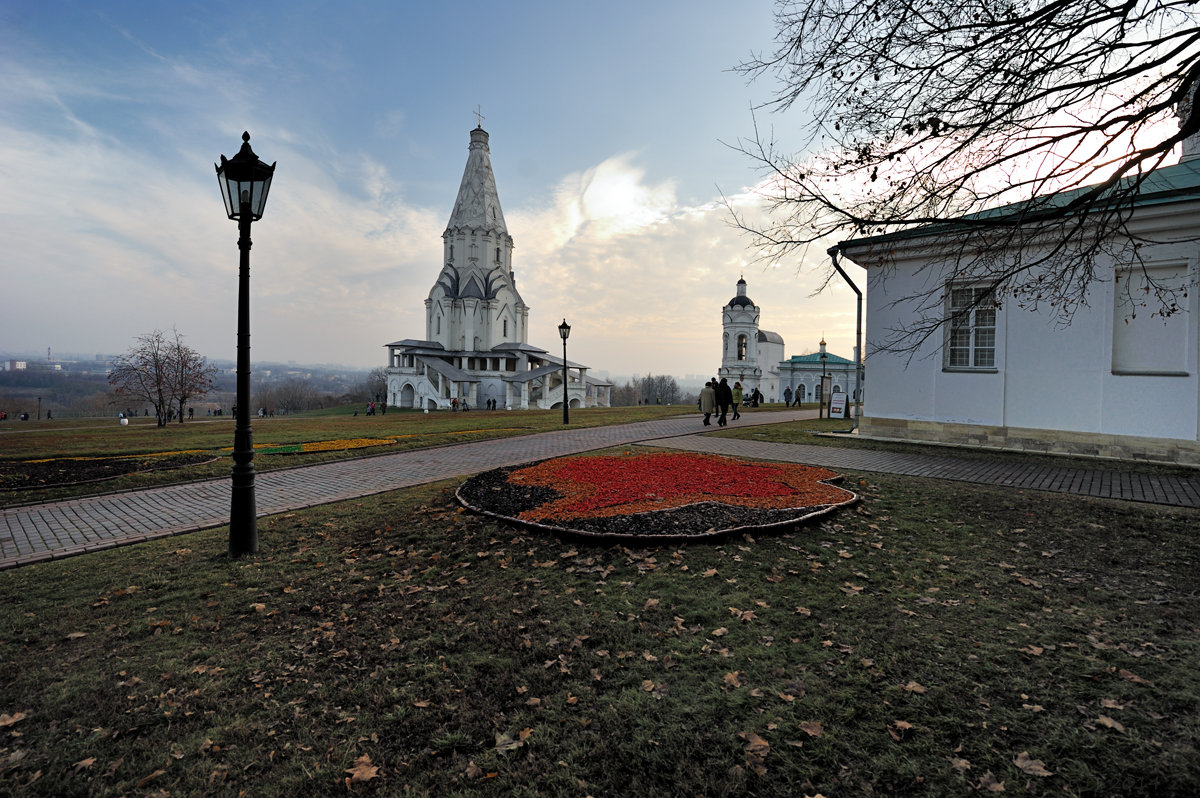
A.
x: 824, y: 398
x: 244, y: 181
x: 564, y: 330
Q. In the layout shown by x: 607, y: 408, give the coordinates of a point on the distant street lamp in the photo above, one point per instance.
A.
x: 564, y: 330
x: 244, y: 181
x: 824, y: 398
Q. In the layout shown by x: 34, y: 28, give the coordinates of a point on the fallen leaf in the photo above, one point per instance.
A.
x: 720, y: 632
x: 988, y: 782
x: 8, y: 720
x: 650, y: 604
x: 1107, y: 703
x: 913, y: 687
x: 812, y: 728
x: 1105, y: 720
x: 258, y: 607
x: 150, y: 778
x: 1031, y: 650
x: 76, y: 635
x: 506, y: 743
x: 735, y: 679
x: 363, y: 770
x: 755, y: 745
x: 1034, y: 767
x: 474, y: 771
x: 961, y: 765
x: 84, y: 764
x: 1132, y: 677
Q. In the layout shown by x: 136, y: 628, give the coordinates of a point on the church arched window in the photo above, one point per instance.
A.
x: 741, y: 347
x: 506, y: 328
x: 497, y: 254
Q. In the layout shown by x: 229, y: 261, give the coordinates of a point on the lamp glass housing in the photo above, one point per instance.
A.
x: 244, y: 178
x: 564, y: 329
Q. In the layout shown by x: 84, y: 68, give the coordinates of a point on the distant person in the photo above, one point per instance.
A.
x: 724, y: 399
x: 787, y: 396
x: 708, y: 402
x: 737, y: 400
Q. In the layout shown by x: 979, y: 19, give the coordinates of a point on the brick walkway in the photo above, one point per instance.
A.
x: 54, y: 530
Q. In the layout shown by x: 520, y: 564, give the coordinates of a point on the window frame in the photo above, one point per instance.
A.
x: 971, y: 323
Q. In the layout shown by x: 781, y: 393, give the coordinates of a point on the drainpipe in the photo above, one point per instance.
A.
x: 858, y: 365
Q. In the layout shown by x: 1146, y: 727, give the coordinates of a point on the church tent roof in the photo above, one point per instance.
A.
x: 478, y: 203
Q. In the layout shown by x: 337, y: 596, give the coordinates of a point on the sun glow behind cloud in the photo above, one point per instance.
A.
x: 112, y: 225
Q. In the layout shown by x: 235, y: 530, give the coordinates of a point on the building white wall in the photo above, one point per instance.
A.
x: 1048, y: 376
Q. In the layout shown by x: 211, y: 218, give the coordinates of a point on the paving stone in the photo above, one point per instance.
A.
x: 36, y: 533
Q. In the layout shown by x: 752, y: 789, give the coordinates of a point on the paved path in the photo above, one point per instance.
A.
x: 59, y: 529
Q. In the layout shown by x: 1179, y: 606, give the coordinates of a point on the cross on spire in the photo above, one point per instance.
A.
x: 479, y: 117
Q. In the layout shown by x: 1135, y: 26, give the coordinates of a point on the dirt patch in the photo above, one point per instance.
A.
x: 27, y: 474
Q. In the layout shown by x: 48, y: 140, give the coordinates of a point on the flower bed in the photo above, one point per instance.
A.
x: 322, y: 446
x: 664, y: 495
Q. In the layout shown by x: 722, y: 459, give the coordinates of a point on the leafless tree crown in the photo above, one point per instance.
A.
x: 925, y: 111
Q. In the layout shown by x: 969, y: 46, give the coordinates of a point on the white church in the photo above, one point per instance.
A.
x: 475, y: 352
x: 754, y: 357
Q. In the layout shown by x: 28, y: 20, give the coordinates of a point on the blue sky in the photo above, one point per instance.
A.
x: 607, y: 124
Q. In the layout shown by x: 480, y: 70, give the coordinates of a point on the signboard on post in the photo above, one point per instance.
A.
x: 838, y: 406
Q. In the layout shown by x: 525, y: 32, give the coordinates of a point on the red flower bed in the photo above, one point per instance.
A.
x: 662, y: 494
x: 598, y: 487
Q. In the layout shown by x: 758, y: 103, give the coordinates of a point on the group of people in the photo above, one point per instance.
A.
x: 716, y: 395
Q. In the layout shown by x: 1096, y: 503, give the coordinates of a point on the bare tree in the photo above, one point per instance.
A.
x: 190, y: 373
x: 1020, y: 120
x: 162, y: 371
x: 143, y: 373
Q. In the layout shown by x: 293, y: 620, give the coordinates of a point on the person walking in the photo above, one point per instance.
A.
x: 737, y: 400
x: 708, y: 402
x: 787, y: 396
x: 724, y: 399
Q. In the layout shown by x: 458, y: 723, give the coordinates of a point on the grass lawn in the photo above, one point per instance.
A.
x: 409, y: 429
x: 940, y: 639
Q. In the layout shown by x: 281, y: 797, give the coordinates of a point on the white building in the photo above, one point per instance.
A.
x: 476, y: 346
x: 749, y: 355
x: 802, y: 373
x: 1119, y: 381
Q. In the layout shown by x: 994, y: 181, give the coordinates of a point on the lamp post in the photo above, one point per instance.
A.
x: 564, y: 330
x: 824, y: 398
x: 244, y: 181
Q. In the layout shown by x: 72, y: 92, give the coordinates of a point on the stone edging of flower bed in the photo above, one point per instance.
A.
x: 623, y: 537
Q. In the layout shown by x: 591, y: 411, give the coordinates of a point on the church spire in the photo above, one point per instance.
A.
x: 478, y: 203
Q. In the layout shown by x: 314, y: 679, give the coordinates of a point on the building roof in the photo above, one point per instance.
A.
x: 768, y: 337
x: 446, y: 370
x: 478, y: 203
x: 413, y: 343
x: 830, y: 359
x: 1178, y: 183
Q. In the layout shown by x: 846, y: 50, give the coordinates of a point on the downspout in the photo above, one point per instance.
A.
x: 858, y: 350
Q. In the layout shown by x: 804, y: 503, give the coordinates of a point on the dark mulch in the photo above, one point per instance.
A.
x: 492, y: 494
x: 25, y: 475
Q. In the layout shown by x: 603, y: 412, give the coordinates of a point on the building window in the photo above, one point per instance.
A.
x: 1145, y: 341
x: 506, y: 328
x: 741, y: 347
x: 971, y: 328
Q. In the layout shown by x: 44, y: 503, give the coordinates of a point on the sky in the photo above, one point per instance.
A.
x: 610, y: 127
